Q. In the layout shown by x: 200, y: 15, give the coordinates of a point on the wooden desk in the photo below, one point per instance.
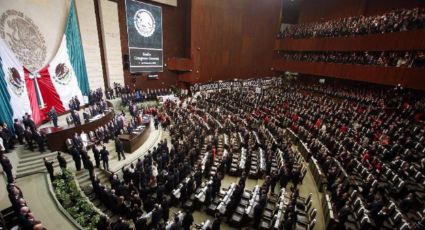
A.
x: 132, y: 142
x: 56, y: 137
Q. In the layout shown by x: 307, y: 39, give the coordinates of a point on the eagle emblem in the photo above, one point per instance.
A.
x: 144, y: 23
x: 62, y: 74
x: 16, y: 83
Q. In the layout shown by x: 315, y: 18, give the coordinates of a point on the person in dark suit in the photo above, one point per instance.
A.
x: 96, y: 155
x: 31, y: 124
x: 49, y: 167
x: 76, y: 157
x: 104, y: 154
x: 90, y: 168
x: 165, y: 208
x: 216, y: 223
x: 19, y: 131
x: 8, y: 137
x: 77, y: 103
x: 103, y: 223
x: 53, y: 116
x: 76, y: 140
x: 38, y: 137
x: 29, y: 138
x: 156, y: 217
x: 7, y: 167
x: 86, y: 116
x: 25, y: 121
x: 119, y: 147
x: 62, y: 161
x: 187, y: 220
x: 176, y: 224
x: 258, y: 211
x: 141, y: 223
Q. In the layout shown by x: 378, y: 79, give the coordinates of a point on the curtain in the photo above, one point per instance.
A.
x: 75, y: 50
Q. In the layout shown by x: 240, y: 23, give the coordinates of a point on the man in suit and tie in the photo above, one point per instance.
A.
x: 29, y: 138
x: 25, y: 121
x: 119, y: 147
x: 76, y: 140
x: 38, y: 137
x: 19, y: 131
x: 53, y: 116
x: 49, y: 167
x: 31, y: 124
x: 104, y: 154
x: 7, y: 166
x: 62, y: 161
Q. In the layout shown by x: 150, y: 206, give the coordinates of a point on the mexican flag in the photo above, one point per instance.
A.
x: 55, y: 84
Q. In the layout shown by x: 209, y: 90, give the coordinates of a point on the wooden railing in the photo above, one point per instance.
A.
x: 408, y: 77
x: 180, y: 64
x: 409, y: 40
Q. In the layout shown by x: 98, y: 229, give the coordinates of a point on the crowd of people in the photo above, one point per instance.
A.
x: 26, y: 218
x: 365, y: 132
x: 148, y: 188
x: 394, y: 21
x: 408, y: 59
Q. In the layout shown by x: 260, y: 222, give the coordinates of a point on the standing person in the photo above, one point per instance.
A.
x: 4, y: 135
x: 38, y: 137
x: 62, y: 161
x: 53, y: 116
x: 29, y: 138
x: 216, y: 223
x: 7, y: 166
x: 19, y: 131
x: 187, y: 220
x: 49, y: 167
x: 76, y: 157
x: 104, y: 154
x: 90, y: 168
x: 156, y: 123
x: 119, y: 147
x: 31, y: 124
x: 96, y: 155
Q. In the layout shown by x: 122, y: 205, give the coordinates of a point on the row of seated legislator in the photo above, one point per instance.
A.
x: 393, y: 21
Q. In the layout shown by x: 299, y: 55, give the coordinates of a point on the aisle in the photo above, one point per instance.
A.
x: 41, y: 202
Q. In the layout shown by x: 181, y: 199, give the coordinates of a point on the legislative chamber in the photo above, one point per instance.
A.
x: 212, y: 114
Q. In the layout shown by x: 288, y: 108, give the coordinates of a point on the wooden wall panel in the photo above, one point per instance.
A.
x: 320, y: 10
x: 90, y: 40
x: 410, y: 40
x: 174, y: 24
x: 111, y: 41
x: 232, y: 38
x: 180, y: 64
x: 408, y: 77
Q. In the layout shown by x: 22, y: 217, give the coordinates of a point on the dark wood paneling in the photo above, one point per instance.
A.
x: 180, y: 64
x: 320, y: 10
x: 408, y: 77
x: 56, y: 139
x: 132, y: 142
x: 174, y: 23
x: 410, y: 40
x: 232, y: 38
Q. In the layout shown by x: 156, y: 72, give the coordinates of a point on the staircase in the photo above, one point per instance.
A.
x: 31, y: 162
x: 84, y: 181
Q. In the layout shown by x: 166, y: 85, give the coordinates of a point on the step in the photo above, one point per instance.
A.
x: 26, y: 153
x: 32, y: 160
x: 39, y: 164
x: 38, y: 156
